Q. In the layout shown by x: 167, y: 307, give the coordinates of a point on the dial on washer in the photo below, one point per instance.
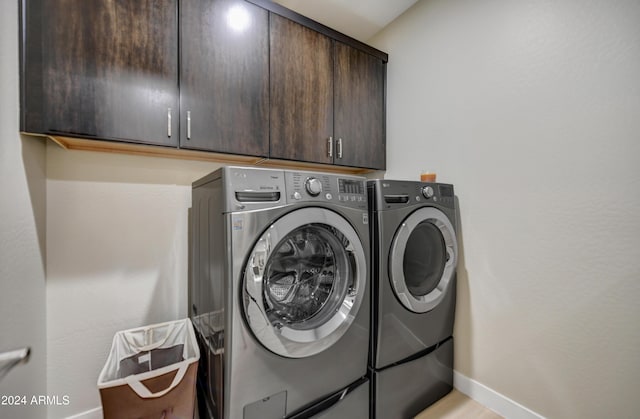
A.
x: 313, y: 186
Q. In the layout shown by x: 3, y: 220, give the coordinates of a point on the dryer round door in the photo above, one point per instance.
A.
x: 304, y: 282
x: 422, y: 259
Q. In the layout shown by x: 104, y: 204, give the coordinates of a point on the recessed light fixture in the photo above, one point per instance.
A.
x: 238, y: 18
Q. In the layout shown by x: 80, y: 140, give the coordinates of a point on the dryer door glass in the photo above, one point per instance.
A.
x: 422, y: 259
x: 304, y: 282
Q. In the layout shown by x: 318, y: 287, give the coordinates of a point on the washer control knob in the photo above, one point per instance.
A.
x: 313, y: 186
x: 427, y: 191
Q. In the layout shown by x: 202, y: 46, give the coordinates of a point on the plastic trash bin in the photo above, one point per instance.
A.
x: 151, y: 373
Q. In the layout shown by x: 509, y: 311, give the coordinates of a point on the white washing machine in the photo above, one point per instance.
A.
x: 279, y: 294
x: 414, y: 256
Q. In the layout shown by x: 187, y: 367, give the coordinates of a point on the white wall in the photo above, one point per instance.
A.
x: 116, y: 258
x: 22, y: 235
x: 532, y: 109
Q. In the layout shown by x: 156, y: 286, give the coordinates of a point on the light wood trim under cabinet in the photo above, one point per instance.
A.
x: 70, y: 143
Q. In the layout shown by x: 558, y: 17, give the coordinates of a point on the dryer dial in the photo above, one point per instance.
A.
x: 313, y: 186
x: 427, y: 192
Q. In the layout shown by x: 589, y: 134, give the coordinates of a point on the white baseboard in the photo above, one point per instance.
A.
x: 495, y: 401
x: 89, y: 414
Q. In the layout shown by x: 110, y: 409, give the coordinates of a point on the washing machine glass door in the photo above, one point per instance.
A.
x: 422, y: 259
x: 304, y: 282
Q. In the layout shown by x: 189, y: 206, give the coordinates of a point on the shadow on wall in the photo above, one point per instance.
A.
x: 35, y: 164
x: 463, y: 330
x: 172, y: 283
x: 93, y: 166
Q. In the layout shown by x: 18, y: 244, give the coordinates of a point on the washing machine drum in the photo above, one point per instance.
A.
x: 304, y: 282
x: 422, y: 259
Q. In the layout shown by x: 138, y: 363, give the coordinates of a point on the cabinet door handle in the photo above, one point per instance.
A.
x: 330, y: 147
x: 339, y: 148
x: 168, y: 122
x: 188, y: 125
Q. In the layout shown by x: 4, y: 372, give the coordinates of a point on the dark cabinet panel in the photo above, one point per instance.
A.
x: 301, y: 92
x: 224, y: 77
x: 359, y: 108
x: 101, y: 69
x: 327, y: 99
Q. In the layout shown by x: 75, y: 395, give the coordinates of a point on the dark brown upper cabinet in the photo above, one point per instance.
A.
x: 359, y: 108
x: 327, y: 99
x: 104, y: 69
x: 224, y: 77
x: 250, y: 79
x: 301, y: 92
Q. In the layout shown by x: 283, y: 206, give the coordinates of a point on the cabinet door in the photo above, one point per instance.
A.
x: 224, y: 76
x: 359, y: 108
x: 103, y: 69
x: 301, y: 92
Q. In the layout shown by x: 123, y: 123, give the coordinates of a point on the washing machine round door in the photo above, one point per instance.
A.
x: 304, y: 282
x: 422, y: 259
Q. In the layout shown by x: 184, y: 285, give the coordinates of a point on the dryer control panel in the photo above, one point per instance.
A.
x: 391, y: 194
x: 343, y: 190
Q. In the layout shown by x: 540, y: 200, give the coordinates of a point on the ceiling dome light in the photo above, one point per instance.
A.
x: 238, y: 18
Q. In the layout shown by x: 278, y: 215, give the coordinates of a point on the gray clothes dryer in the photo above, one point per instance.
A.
x: 414, y: 257
x: 279, y: 294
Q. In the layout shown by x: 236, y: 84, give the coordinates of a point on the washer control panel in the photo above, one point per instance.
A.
x: 351, y: 190
x: 323, y: 187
